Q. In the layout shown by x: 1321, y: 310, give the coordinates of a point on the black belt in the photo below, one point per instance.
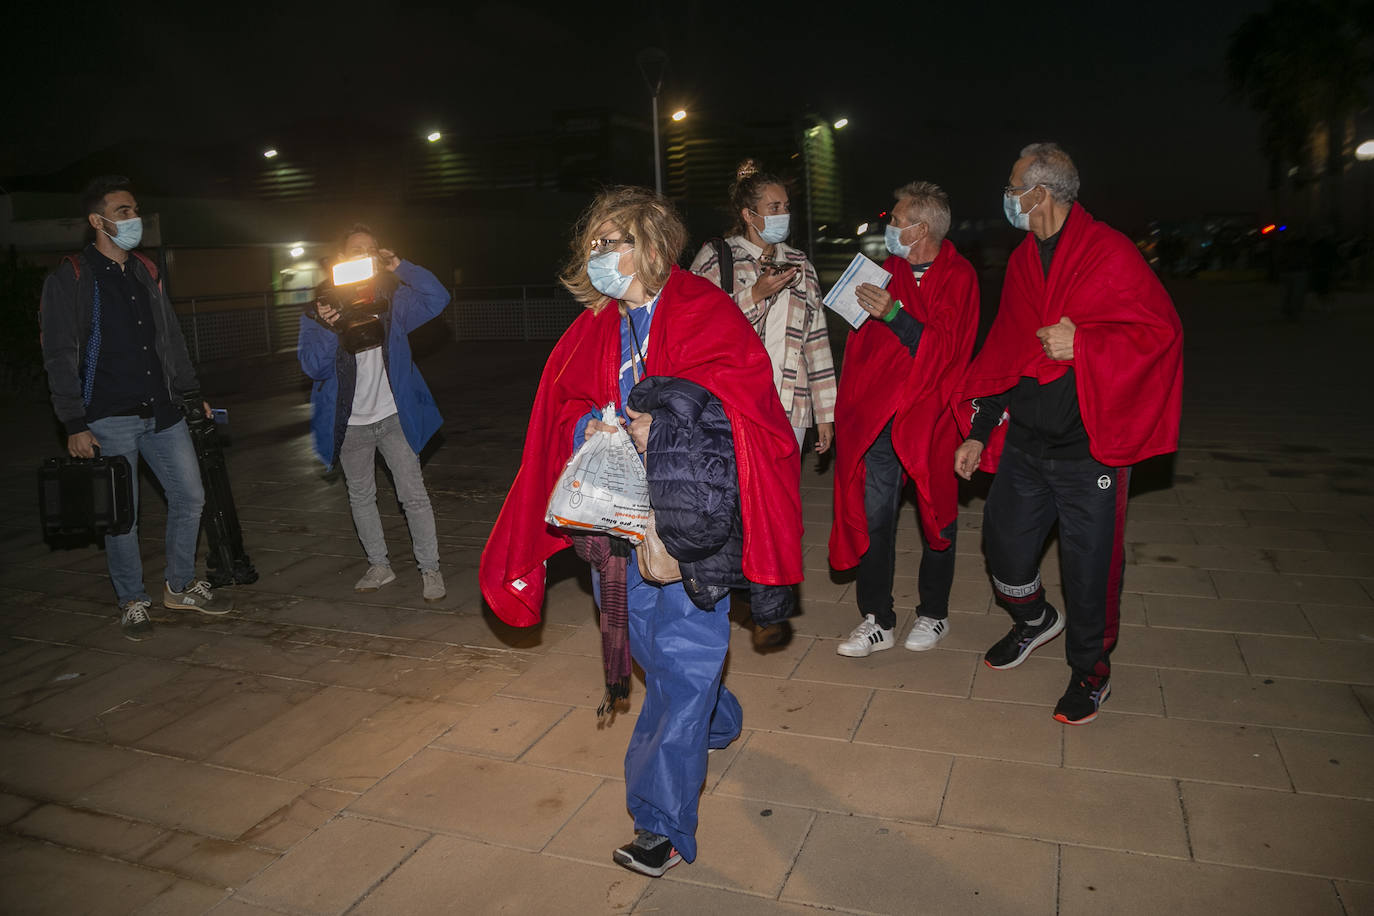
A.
x: 146, y: 411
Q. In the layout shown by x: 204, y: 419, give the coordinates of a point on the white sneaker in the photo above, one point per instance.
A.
x: 926, y: 633
x: 867, y: 638
x: 433, y: 584
x: 375, y: 578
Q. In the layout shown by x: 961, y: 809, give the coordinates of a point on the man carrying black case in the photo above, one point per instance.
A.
x: 118, y: 370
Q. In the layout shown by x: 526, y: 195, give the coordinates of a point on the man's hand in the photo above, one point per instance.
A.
x: 874, y: 299
x: 209, y: 414
x: 82, y: 444
x: 770, y: 283
x: 388, y: 259
x: 825, y: 436
x: 1057, y: 339
x: 966, y: 458
x: 639, y: 428
x: 595, y: 426
x: 328, y: 314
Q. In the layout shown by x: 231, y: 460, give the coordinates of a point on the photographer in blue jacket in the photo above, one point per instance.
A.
x: 371, y: 400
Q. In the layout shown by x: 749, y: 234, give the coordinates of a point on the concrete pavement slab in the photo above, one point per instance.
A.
x: 1257, y: 828
x: 330, y: 869
x: 908, y: 865
x: 1098, y: 881
x: 1109, y: 810
x: 463, y: 795
x: 449, y: 873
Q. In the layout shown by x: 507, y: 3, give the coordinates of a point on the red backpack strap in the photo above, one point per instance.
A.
x: 150, y: 264
x: 75, y: 261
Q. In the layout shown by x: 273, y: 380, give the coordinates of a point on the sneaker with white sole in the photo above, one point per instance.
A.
x: 134, y: 620
x: 196, y: 596
x: 434, y: 584
x: 926, y: 633
x: 375, y: 578
x: 866, y: 639
x: 650, y: 854
x: 1023, y: 639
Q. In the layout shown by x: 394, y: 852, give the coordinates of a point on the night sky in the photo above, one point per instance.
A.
x: 946, y: 92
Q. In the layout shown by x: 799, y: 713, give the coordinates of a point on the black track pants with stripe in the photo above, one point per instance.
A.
x: 1088, y: 499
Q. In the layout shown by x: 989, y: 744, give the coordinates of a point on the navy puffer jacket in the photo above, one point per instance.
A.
x: 694, y: 489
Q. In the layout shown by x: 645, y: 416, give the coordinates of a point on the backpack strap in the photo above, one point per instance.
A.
x: 727, y: 264
x: 150, y: 264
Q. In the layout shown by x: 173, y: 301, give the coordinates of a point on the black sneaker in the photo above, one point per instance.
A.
x: 134, y: 621
x: 650, y: 854
x: 1023, y: 639
x: 1079, y: 704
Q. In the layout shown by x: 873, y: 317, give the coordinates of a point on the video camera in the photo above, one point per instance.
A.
x: 360, y: 291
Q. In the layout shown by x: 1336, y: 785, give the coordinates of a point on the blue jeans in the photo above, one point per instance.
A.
x: 172, y: 459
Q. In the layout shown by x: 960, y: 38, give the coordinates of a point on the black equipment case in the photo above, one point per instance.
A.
x: 81, y: 499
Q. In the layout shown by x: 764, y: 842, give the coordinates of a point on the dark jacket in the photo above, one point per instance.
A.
x: 65, y: 316
x: 694, y: 489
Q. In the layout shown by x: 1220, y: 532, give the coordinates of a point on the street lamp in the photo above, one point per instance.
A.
x: 841, y: 123
x: 655, y: 60
x: 434, y: 136
x: 679, y: 114
x: 1365, y: 151
x: 269, y: 153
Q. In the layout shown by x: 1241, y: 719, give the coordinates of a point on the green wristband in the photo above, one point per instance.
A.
x: 896, y: 307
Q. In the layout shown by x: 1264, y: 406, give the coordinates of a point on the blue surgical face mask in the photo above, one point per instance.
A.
x: 128, y: 232
x: 604, y: 272
x: 1011, y: 206
x: 775, y: 227
x: 893, y: 237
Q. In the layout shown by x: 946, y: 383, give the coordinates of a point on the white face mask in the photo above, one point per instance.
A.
x: 892, y: 237
x: 128, y: 232
x: 775, y: 227
x: 603, y: 270
x: 1011, y: 206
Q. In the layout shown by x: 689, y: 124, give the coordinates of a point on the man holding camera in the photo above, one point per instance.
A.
x: 893, y: 423
x: 375, y: 400
x: 118, y: 372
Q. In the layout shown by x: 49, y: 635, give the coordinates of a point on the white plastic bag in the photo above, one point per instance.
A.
x: 603, y: 487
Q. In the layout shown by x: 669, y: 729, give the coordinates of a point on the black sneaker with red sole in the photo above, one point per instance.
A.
x: 650, y: 854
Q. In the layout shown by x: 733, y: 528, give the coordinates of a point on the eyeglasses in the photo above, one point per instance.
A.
x: 600, y: 245
x: 1020, y: 190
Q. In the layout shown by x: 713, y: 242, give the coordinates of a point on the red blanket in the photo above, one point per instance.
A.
x: 698, y: 334
x: 1127, y: 350
x: 881, y: 381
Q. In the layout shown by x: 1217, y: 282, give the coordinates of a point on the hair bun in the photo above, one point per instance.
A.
x: 746, y: 168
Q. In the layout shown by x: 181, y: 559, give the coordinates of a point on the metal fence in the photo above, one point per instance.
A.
x: 247, y: 325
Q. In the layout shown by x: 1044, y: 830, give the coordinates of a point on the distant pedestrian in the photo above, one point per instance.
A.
x: 118, y: 371
x: 646, y: 318
x: 777, y: 289
x: 375, y: 401
x: 1080, y: 378
x: 900, y: 371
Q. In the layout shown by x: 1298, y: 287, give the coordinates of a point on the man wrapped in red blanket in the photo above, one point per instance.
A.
x: 1080, y: 378
x: 893, y: 421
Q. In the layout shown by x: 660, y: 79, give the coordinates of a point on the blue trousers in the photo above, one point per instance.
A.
x: 172, y: 459
x: 686, y: 709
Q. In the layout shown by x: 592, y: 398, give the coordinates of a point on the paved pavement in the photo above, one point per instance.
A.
x: 327, y: 752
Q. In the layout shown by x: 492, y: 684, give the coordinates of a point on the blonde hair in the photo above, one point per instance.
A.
x: 658, y: 233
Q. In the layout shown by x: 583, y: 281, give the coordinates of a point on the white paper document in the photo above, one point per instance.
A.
x: 842, y: 298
